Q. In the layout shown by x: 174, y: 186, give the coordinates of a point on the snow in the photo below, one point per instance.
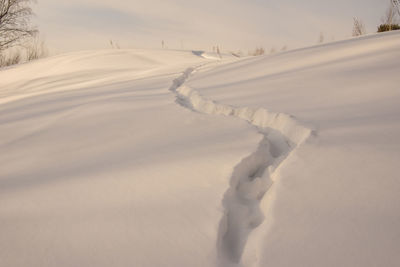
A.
x: 335, y: 200
x: 181, y: 158
x: 106, y: 169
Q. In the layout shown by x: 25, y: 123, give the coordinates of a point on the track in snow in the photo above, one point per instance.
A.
x: 251, y: 177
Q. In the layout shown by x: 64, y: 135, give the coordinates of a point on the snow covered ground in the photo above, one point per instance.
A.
x: 100, y: 166
x: 174, y: 158
x: 336, y: 199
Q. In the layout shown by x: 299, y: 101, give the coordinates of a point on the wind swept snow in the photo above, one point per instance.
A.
x: 106, y: 169
x: 335, y: 200
x: 174, y: 158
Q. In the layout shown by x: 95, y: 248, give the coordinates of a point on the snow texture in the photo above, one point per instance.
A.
x: 251, y: 177
x: 185, y: 158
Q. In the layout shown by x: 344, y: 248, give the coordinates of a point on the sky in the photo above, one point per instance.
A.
x: 233, y: 25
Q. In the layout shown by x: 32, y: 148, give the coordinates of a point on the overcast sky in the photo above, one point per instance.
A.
x: 231, y: 24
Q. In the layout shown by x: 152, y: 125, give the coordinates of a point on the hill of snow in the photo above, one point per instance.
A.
x: 174, y: 158
x: 335, y: 201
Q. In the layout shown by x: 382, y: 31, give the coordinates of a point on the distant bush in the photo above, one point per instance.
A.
x: 257, y: 52
x: 389, y: 20
x: 358, y: 27
x: 11, y: 59
x: 31, y: 50
x: 388, y: 27
x: 321, y: 38
x: 35, y: 49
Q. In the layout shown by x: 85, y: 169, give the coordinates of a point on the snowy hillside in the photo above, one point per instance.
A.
x: 335, y: 201
x: 174, y: 158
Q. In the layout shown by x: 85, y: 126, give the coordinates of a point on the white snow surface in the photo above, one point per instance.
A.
x: 100, y: 166
x: 335, y: 200
x: 176, y: 158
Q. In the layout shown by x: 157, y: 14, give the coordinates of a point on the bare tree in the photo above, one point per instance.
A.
x: 15, y: 25
x: 390, y: 16
x: 358, y: 27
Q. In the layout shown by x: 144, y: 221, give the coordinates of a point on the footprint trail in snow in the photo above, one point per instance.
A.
x: 251, y: 177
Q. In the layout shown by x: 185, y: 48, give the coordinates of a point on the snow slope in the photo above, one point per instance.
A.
x: 171, y: 158
x: 100, y: 166
x: 335, y: 201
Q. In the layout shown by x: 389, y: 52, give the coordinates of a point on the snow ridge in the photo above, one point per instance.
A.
x: 251, y: 177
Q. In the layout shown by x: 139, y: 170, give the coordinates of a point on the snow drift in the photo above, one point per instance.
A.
x: 334, y: 198
x: 174, y: 158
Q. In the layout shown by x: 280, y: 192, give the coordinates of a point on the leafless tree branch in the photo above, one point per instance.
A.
x: 15, y: 16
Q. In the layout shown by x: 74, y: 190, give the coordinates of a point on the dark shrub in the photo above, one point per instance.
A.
x: 388, y: 27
